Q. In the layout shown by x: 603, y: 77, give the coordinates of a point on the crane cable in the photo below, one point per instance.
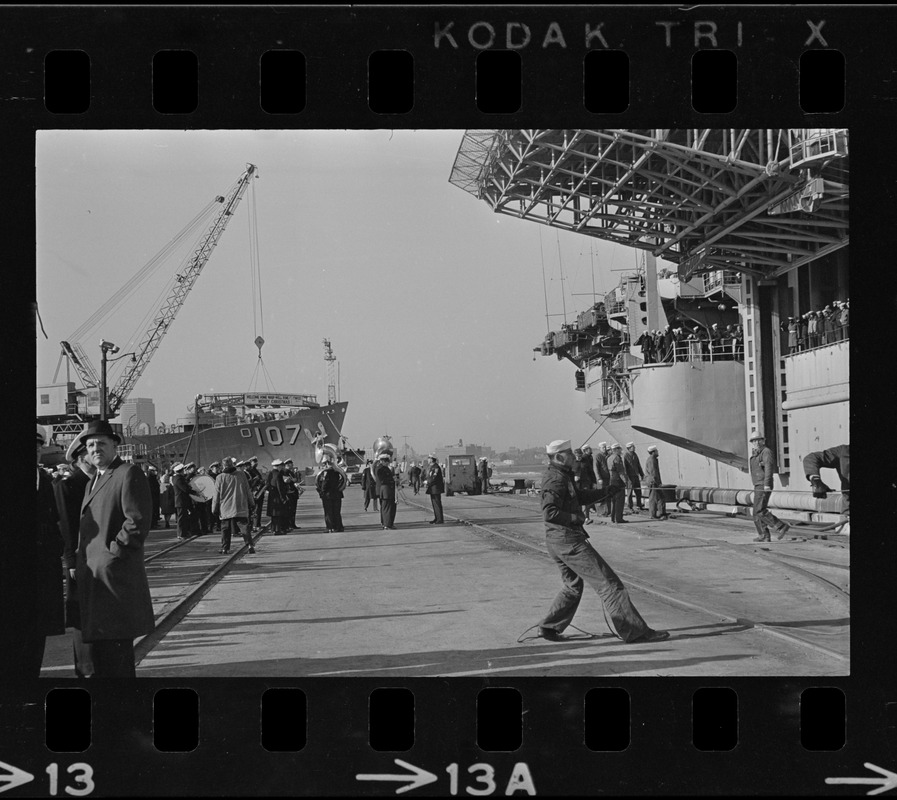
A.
x: 140, y: 277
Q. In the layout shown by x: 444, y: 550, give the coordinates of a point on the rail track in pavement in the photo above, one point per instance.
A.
x: 688, y: 532
x: 180, y: 574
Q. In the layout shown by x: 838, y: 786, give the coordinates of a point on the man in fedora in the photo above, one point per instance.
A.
x: 113, y: 590
x: 577, y: 560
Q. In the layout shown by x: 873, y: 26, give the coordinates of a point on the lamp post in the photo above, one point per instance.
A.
x: 106, y: 348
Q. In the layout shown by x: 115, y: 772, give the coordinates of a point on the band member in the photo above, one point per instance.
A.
x: 257, y: 484
x: 276, y: 497
x: 369, y: 485
x: 386, y: 491
x: 328, y: 483
x: 183, y: 502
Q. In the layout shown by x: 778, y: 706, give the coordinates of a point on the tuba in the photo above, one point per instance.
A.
x: 325, y: 451
x: 384, y: 445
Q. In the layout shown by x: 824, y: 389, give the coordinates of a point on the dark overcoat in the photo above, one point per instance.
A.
x: 369, y: 483
x: 386, y: 483
x: 435, y: 480
x: 69, y: 499
x: 276, y: 493
x: 46, y: 558
x: 113, y: 591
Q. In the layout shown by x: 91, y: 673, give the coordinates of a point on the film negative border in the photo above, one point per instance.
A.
x: 551, y: 722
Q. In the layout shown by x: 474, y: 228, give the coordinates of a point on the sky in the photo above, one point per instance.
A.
x: 432, y: 302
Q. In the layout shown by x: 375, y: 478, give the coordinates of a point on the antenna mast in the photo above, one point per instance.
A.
x: 331, y: 372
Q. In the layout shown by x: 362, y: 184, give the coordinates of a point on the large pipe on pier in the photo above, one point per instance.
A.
x: 796, y: 501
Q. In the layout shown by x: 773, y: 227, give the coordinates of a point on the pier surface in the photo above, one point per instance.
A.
x: 462, y: 599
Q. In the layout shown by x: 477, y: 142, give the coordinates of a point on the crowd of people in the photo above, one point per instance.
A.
x: 818, y: 328
x: 85, y: 564
x: 621, y: 477
x: 697, y: 343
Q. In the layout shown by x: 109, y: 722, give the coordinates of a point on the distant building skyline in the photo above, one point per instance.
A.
x: 138, y: 414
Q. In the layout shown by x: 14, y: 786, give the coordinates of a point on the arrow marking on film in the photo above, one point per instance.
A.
x: 888, y: 782
x: 418, y: 777
x: 11, y: 776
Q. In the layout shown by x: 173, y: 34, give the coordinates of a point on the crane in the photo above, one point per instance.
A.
x: 168, y: 308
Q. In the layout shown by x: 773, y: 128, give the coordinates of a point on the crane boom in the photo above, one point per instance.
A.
x: 76, y: 355
x: 178, y: 294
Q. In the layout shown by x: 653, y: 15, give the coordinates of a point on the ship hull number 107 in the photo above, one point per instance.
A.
x: 277, y: 437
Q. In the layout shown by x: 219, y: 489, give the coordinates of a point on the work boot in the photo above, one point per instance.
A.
x: 550, y: 634
x: 763, y: 538
x: 781, y: 530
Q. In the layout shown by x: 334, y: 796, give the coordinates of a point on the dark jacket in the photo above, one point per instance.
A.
x: 435, y: 480
x: 633, y: 466
x: 763, y: 467
x: 256, y: 483
x: 276, y: 492
x: 584, y: 474
x: 113, y: 591
x: 69, y: 499
x: 155, y: 490
x: 617, y: 470
x: 652, y: 471
x: 44, y: 581
x: 562, y: 503
x: 369, y: 482
x: 836, y: 458
x: 181, y: 488
x: 386, y: 482
x: 601, y: 469
x: 327, y: 483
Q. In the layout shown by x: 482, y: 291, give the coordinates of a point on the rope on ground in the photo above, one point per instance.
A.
x: 585, y: 637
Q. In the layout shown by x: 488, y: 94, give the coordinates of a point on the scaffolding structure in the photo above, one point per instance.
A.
x: 760, y: 201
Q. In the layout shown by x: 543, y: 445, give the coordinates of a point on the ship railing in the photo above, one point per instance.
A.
x: 701, y: 350
x: 816, y: 341
x: 618, y: 307
x: 721, y: 280
x: 809, y: 145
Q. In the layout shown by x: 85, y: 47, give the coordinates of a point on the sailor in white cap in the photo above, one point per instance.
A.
x: 183, y: 503
x: 578, y: 561
x: 653, y: 483
x: 762, y: 468
x: 602, y: 509
x: 618, y: 483
x: 635, y: 474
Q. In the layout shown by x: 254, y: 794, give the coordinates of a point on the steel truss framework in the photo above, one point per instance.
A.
x: 761, y: 201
